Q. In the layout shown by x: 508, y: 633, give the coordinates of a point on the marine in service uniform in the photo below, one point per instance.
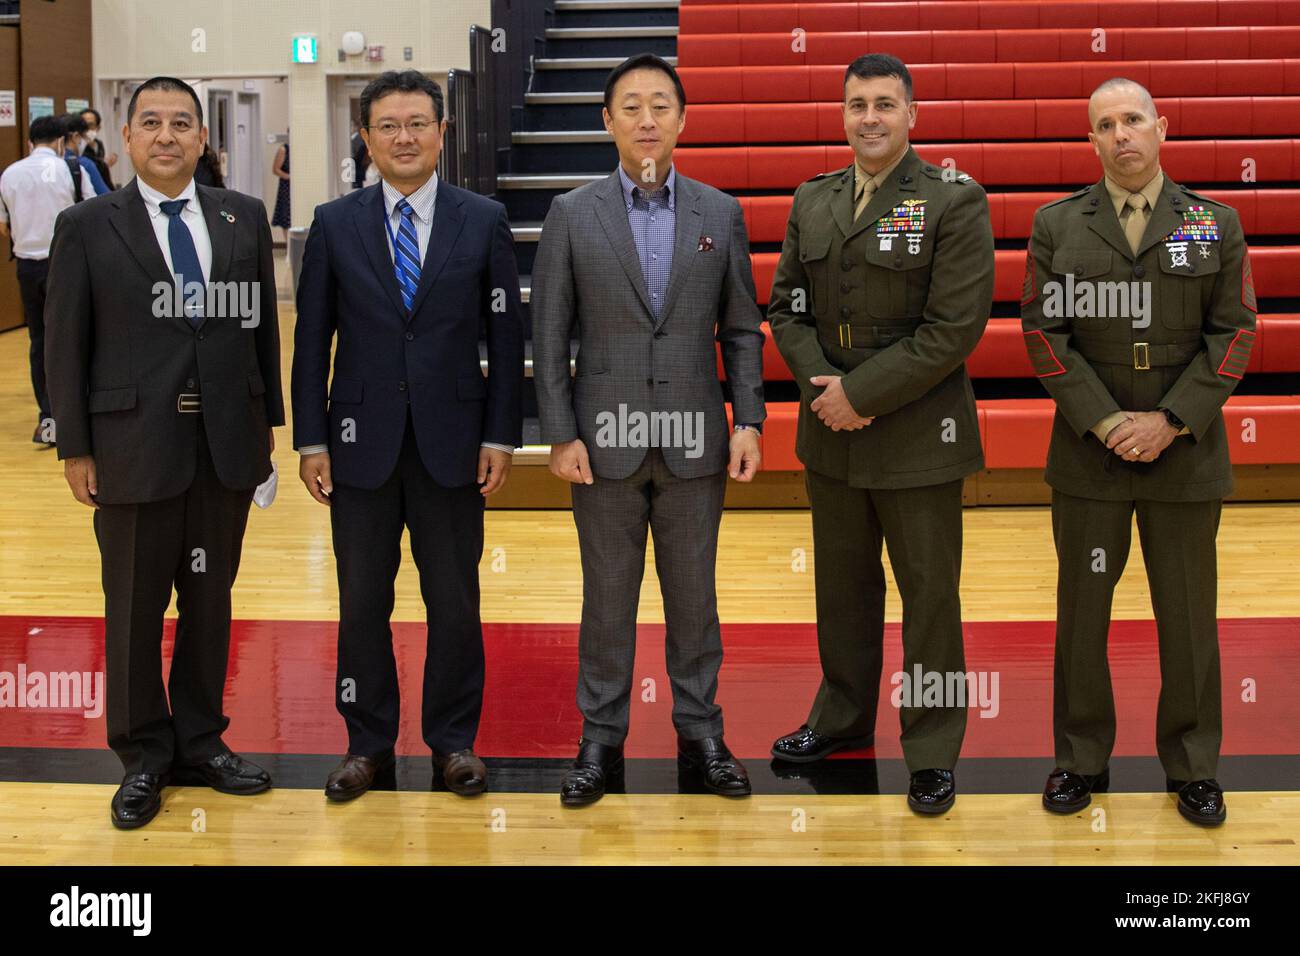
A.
x: 1139, y: 315
x: 883, y: 290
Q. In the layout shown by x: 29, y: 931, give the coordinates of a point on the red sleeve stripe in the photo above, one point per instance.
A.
x: 1041, y: 356
x: 1235, y: 361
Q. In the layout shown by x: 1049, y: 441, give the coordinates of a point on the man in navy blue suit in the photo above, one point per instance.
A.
x: 413, y: 434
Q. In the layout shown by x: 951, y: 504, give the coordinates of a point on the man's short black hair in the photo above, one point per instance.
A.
x: 880, y: 64
x: 403, y: 81
x: 99, y: 120
x: 73, y: 123
x: 45, y: 129
x: 168, y: 84
x: 643, y: 61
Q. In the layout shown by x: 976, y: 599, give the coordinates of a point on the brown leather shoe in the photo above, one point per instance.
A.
x: 355, y: 775
x: 462, y: 772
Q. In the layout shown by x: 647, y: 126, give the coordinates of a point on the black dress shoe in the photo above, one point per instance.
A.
x: 137, y: 800
x: 1200, y: 801
x: 1068, y: 792
x: 805, y: 745
x: 720, y: 772
x: 932, y: 791
x: 585, y: 780
x: 227, y: 773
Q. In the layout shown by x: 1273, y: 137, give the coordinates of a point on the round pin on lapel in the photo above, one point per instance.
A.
x: 227, y: 216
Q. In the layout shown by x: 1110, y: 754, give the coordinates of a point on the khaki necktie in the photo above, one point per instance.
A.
x: 1136, y: 224
x: 864, y: 197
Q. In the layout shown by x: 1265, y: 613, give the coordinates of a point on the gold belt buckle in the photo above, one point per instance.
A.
x: 846, y: 335
x: 188, y: 403
x: 1142, y: 356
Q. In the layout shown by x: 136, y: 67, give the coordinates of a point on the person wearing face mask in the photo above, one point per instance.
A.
x: 94, y: 148
x: 1139, y: 431
x: 882, y: 291
x: 74, y: 140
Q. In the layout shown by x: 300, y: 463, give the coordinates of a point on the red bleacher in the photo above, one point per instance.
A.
x: 1002, y: 88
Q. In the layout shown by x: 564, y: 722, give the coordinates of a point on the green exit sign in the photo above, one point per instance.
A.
x: 304, y: 49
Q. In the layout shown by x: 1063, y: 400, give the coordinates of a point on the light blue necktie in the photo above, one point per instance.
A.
x: 406, y: 254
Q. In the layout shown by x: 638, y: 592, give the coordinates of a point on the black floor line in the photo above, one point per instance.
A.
x: 644, y: 775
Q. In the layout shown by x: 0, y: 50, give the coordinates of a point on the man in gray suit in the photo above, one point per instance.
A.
x: 651, y: 268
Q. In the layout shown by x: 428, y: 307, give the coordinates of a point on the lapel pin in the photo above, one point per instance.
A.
x: 706, y: 244
x: 227, y: 216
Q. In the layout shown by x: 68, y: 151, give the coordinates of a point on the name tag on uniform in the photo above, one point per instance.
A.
x: 907, y: 218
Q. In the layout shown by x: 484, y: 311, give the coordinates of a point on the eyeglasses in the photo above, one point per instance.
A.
x: 416, y: 127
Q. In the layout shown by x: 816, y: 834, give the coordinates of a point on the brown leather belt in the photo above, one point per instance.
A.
x: 1141, y: 356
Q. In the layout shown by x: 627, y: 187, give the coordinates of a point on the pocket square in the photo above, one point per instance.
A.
x: 706, y: 244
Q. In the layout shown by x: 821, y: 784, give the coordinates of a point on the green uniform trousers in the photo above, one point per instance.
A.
x: 922, y: 528
x: 1092, y: 545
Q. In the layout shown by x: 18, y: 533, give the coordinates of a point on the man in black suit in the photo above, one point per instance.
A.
x: 163, y: 358
x: 413, y: 434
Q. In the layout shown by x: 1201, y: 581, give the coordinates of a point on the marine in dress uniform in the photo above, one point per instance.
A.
x: 1138, y: 428
x: 883, y: 289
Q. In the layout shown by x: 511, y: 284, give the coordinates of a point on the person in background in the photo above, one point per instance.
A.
x: 208, y: 171
x: 280, y: 167
x: 361, y: 164
x: 94, y: 150
x: 32, y: 198
x: 74, y: 140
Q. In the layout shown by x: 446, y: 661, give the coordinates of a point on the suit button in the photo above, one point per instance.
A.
x: 844, y: 287
x: 401, y: 386
x: 200, y: 336
x: 410, y: 336
x: 846, y: 264
x: 1139, y: 270
x: 189, y: 383
x: 844, y: 311
x: 660, y: 334
x: 650, y: 381
x: 898, y: 260
x: 1078, y: 270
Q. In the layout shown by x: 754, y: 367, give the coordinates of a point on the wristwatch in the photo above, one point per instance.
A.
x: 1172, y: 419
x: 757, y: 428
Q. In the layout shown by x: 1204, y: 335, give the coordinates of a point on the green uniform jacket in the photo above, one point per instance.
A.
x: 1196, y: 335
x: 894, y: 303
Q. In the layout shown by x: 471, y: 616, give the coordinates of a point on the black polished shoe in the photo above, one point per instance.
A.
x: 227, y: 773
x: 932, y: 791
x: 1200, y: 801
x: 805, y: 745
x: 720, y: 772
x: 137, y: 800
x: 1068, y: 792
x: 585, y: 780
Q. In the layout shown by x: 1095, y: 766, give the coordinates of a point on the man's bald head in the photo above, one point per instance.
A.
x: 1126, y: 131
x: 1125, y: 88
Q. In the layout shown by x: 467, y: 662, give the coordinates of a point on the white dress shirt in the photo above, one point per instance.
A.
x: 422, y: 202
x: 35, y: 190
x: 191, y: 216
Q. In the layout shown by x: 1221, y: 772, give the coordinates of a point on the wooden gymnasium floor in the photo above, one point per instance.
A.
x: 56, y: 776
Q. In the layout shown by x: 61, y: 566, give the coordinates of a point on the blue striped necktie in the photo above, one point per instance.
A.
x: 406, y: 254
